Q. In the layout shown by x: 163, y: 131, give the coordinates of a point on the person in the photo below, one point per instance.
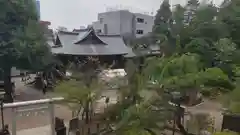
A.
x: 60, y: 127
x: 44, y: 86
x: 13, y: 89
x: 5, y: 131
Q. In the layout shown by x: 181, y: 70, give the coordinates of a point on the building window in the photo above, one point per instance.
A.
x: 140, y: 20
x: 140, y: 32
x: 101, y: 20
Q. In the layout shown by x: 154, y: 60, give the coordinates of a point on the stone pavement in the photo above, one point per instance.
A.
x: 45, y: 130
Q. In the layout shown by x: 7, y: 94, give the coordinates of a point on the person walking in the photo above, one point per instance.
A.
x: 44, y: 86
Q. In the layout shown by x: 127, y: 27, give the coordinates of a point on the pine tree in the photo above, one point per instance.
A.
x: 191, y: 7
x: 193, y: 4
x: 162, y: 18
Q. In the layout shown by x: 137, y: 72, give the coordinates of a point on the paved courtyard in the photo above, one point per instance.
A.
x: 38, y: 121
x: 33, y: 118
x: 44, y: 130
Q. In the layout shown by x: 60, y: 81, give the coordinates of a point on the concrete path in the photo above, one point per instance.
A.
x: 212, y: 108
x: 45, y: 130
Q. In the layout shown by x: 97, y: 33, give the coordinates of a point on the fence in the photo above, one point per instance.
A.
x: 230, y: 122
x: 49, y: 105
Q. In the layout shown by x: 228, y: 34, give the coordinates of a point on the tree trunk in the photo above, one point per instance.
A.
x: 8, y: 84
x: 87, y: 113
x: 192, y: 96
x: 179, y: 123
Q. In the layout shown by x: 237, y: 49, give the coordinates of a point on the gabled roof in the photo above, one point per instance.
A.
x: 88, y: 43
x: 89, y: 36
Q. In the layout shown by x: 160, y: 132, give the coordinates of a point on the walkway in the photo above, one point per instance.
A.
x: 211, y: 108
x: 45, y: 130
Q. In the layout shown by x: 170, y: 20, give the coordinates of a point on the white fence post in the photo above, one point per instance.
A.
x: 14, y: 121
x: 52, y: 117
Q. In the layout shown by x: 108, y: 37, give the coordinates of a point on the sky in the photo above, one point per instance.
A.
x: 75, y: 13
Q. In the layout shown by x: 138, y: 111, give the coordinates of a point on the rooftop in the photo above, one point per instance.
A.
x: 86, y: 42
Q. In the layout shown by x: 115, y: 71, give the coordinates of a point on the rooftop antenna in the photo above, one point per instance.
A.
x: 152, y: 12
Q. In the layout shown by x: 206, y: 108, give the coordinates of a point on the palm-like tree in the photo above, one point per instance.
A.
x: 83, y: 89
x: 136, y: 112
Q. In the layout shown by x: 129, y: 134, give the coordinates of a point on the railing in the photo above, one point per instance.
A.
x: 49, y: 106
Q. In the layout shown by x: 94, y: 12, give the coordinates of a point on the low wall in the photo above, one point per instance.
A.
x: 231, y: 122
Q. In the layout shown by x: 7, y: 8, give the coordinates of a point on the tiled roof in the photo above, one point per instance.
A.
x: 114, y: 45
x: 151, y: 50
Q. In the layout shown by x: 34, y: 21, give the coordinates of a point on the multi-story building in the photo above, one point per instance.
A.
x: 123, y: 22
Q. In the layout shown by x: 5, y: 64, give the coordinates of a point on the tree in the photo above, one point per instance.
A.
x: 162, y: 28
x: 22, y: 42
x: 162, y: 18
x: 138, y: 111
x: 83, y: 88
x: 191, y: 7
x: 228, y: 14
x: 193, y: 4
x: 226, y: 133
x: 178, y: 19
x: 164, y: 14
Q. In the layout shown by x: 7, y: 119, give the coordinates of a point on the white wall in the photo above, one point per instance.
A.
x: 126, y: 23
x: 98, y: 26
x: 123, y: 22
x: 112, y: 20
x: 146, y: 26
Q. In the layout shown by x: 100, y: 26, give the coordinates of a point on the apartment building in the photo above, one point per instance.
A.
x: 123, y: 22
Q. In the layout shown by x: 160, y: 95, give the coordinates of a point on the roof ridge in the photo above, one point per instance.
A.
x: 87, y: 34
x: 68, y: 32
x: 109, y: 35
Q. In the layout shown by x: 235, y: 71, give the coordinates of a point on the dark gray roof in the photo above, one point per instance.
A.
x: 79, y: 30
x: 113, y: 44
x: 151, y: 50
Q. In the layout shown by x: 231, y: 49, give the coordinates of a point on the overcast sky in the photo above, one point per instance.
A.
x: 76, y: 13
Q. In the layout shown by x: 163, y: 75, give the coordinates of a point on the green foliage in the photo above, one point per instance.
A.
x: 194, y: 3
x: 199, y: 122
x: 226, y: 133
x: 162, y: 24
x: 82, y: 89
x: 134, y: 111
x: 75, y: 91
x: 22, y: 44
x: 232, y: 101
x: 205, y: 56
x: 178, y: 15
x: 184, y: 72
x: 200, y: 53
x: 163, y: 15
x: 229, y: 14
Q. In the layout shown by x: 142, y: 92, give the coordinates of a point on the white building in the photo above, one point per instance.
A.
x: 123, y: 22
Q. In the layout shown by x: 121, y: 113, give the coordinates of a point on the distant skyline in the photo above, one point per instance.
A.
x: 76, y: 13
